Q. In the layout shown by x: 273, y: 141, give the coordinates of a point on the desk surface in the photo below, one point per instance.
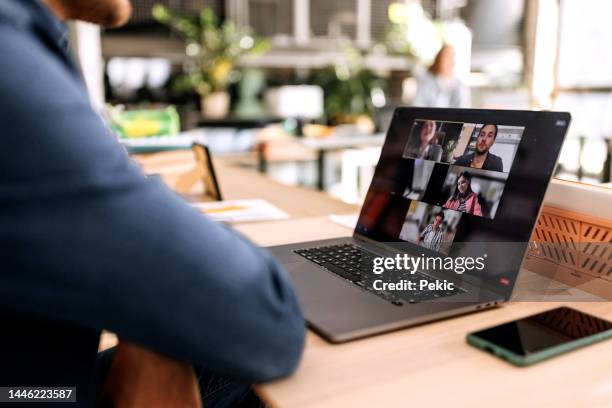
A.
x: 421, y: 366
x: 432, y: 364
x: 241, y: 183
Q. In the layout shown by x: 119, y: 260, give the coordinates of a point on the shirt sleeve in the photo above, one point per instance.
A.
x: 476, y: 209
x: 88, y: 239
x: 426, y: 231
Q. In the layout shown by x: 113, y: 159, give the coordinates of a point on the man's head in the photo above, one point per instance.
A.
x: 438, y: 218
x: 486, y: 138
x: 107, y: 13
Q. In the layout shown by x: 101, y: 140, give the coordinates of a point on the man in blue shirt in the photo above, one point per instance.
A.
x: 87, y: 242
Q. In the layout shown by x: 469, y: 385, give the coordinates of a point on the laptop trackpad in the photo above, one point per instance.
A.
x: 333, y: 304
x: 316, y: 284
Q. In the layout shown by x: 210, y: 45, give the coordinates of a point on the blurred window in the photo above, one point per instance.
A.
x: 271, y: 18
x: 142, y: 21
x: 584, y: 88
x: 585, y: 59
x: 333, y: 19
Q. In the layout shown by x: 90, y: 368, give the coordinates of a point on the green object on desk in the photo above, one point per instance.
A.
x: 144, y: 123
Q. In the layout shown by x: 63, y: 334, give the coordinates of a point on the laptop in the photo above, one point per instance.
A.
x: 451, y: 208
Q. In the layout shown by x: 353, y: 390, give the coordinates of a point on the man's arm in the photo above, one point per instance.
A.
x: 425, y: 231
x: 88, y: 239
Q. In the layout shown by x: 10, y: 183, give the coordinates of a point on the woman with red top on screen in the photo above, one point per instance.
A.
x: 464, y: 199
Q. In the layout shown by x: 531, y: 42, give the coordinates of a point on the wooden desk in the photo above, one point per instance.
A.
x: 239, y: 183
x: 429, y: 365
x: 432, y: 365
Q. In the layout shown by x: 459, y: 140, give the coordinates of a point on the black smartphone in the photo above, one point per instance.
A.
x: 541, y: 336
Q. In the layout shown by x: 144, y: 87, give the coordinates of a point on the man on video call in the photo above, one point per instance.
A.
x: 482, y: 158
x: 90, y: 243
x: 431, y: 236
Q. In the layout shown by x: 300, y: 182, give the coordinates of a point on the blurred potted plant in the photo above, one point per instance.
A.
x: 412, y: 33
x: 212, y: 49
x: 352, y: 92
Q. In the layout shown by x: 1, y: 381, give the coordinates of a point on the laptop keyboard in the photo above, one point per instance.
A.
x: 354, y: 264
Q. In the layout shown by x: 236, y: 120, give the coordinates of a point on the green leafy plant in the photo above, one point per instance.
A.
x: 449, y: 148
x: 349, y: 88
x: 213, y: 48
x: 412, y: 33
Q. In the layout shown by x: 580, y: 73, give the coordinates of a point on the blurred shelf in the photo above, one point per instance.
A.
x: 129, y: 46
x: 313, y: 59
x: 134, y: 46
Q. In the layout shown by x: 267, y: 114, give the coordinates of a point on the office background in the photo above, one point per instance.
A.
x: 358, y: 59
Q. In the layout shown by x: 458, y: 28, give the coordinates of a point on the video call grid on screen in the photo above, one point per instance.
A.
x: 457, y: 142
x: 449, y: 179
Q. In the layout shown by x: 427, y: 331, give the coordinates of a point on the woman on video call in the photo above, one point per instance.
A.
x: 464, y: 199
x: 425, y: 146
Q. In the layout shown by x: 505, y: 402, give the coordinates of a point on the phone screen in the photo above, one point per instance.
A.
x: 544, y: 330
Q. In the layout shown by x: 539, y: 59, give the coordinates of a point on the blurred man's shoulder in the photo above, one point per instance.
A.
x: 16, y: 13
x: 495, y: 162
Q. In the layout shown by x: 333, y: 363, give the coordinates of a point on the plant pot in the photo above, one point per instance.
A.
x: 215, y: 105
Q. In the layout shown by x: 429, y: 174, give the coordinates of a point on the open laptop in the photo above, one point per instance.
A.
x: 450, y: 184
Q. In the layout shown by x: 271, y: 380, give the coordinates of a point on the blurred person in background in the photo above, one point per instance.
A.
x: 438, y: 87
x: 90, y: 243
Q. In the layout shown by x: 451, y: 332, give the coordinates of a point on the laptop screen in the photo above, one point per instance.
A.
x: 447, y: 176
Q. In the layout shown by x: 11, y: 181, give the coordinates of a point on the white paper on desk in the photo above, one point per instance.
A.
x: 168, y: 141
x: 346, y: 220
x: 241, y: 210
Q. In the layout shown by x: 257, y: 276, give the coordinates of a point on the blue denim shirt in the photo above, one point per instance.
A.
x: 88, y: 240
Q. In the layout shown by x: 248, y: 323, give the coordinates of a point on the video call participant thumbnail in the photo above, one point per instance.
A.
x: 431, y: 236
x: 482, y: 158
x: 429, y: 226
x: 423, y: 143
x: 464, y: 199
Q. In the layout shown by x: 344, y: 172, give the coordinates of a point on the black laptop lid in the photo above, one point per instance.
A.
x: 431, y: 167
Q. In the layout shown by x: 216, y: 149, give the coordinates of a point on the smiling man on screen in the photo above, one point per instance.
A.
x: 482, y: 158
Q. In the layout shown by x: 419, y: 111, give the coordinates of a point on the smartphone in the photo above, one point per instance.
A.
x: 544, y: 335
